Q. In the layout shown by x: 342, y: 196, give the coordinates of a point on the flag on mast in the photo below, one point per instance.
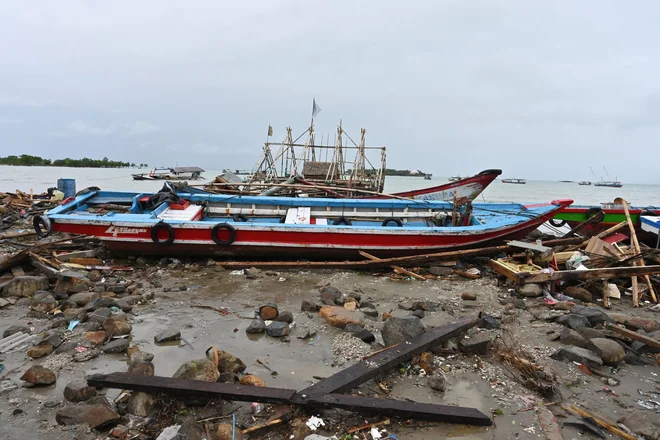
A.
x: 315, y: 109
x: 270, y: 130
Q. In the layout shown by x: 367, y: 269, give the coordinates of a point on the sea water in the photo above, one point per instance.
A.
x: 39, y: 179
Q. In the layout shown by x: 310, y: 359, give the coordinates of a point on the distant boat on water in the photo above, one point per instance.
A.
x: 608, y: 183
x: 455, y: 178
x: 516, y: 181
x: 585, y: 182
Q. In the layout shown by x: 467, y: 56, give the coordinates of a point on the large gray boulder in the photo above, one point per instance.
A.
x: 398, y: 330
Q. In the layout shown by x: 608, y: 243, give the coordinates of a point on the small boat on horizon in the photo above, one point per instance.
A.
x: 455, y: 178
x: 609, y: 183
x: 516, y: 181
x: 175, y: 173
x: 168, y: 223
x: 584, y: 182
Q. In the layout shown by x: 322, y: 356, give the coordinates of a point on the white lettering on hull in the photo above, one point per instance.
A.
x: 115, y: 230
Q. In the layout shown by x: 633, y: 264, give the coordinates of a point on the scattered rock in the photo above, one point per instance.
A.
x: 353, y: 328
x: 78, y: 391
x: 367, y: 305
x: 116, y: 346
x: 39, y: 351
x: 225, y: 431
x: 530, y: 290
x: 339, y: 317
x: 308, y: 306
x: 285, y: 317
x: 67, y: 347
x: 641, y: 426
x: 440, y: 271
x: 489, y: 322
x: 141, y: 404
x: 648, y: 325
x: 201, y: 369
x: 577, y: 354
x: 24, y: 287
x: 369, y: 312
x: 83, y: 298
x: 578, y: 293
x: 15, y: 329
x: 437, y: 382
x: 87, y: 355
x: 405, y: 306
x: 257, y: 326
x: 116, y: 327
x: 43, y: 302
x: 426, y: 306
x: 251, y: 379
x: 38, y: 375
x: 277, y: 329
x: 571, y: 337
x: 100, y: 315
x: 97, y: 338
x: 609, y: 351
x: 330, y: 295
x: 167, y: 336
x: 365, y: 335
x: 226, y: 361
x: 593, y: 314
x: 469, y: 296
x: 573, y: 321
x: 140, y: 356
x: 141, y: 368
x: 426, y: 362
x: 96, y: 416
x: 268, y: 312
x: 477, y: 344
x: 75, y: 314
x: 418, y: 314
x: 397, y: 330
x: 350, y: 304
x: 51, y: 337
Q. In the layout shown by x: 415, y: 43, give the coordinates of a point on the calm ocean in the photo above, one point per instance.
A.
x: 119, y: 179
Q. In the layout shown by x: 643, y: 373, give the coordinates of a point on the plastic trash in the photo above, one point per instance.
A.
x: 73, y: 325
x: 576, y: 261
x: 314, y: 422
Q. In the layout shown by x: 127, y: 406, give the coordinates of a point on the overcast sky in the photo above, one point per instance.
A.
x: 542, y: 90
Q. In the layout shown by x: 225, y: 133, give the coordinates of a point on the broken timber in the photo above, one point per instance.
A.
x: 324, y: 394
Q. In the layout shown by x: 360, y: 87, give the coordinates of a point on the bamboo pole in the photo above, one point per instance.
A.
x: 635, y: 242
x: 397, y: 269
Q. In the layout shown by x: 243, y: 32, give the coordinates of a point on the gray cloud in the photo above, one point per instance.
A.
x: 449, y: 87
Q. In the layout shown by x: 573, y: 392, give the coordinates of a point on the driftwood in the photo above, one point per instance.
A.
x: 397, y: 269
x: 634, y: 336
x: 325, y: 393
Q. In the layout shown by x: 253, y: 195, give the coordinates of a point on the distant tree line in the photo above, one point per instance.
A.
x: 393, y: 172
x: 85, y: 162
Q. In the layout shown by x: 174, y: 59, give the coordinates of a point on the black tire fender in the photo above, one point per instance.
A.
x: 162, y: 226
x: 42, y: 225
x: 239, y: 218
x: 227, y: 226
x: 395, y: 220
x: 342, y: 221
x: 557, y: 223
x: 597, y: 212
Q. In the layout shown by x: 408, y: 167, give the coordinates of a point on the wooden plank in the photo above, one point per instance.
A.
x: 402, y: 409
x: 17, y: 271
x: 191, y: 388
x: 65, y: 257
x: 591, y: 274
x: 86, y: 261
x: 398, y: 269
x: 361, y: 372
x: 507, y: 272
x: 385, y: 262
x: 634, y: 336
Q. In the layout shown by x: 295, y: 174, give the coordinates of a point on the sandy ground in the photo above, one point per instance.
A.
x: 471, y: 381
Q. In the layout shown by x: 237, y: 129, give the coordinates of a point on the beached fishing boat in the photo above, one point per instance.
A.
x: 516, y: 181
x: 612, y: 214
x: 175, y: 173
x: 166, y: 223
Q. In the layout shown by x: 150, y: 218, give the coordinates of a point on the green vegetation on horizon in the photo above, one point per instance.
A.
x: 85, y: 162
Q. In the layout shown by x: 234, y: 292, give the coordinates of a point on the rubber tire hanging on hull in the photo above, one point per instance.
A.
x: 389, y: 220
x: 156, y: 229
x: 557, y: 223
x: 40, y: 221
x: 232, y: 234
x: 596, y: 212
x: 342, y: 221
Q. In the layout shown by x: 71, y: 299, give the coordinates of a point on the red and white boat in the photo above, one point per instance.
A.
x: 466, y: 188
x: 166, y: 223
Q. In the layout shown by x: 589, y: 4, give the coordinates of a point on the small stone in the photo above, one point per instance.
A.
x: 308, y: 306
x: 39, y: 351
x: 67, y: 304
x: 100, y: 314
x: 115, y: 346
x: 38, y: 375
x: 24, y: 287
x: 117, y: 327
x: 86, y: 355
x: 141, y: 404
x: 367, y: 305
x: 123, y: 305
x: 257, y: 326
x: 225, y: 431
x: 339, y: 317
x: 426, y: 306
x: 593, y: 314
x: 140, y: 356
x: 353, y: 328
x: 571, y: 337
x: 251, y: 379
x: 369, y: 312
x: 43, y: 302
x: 201, y: 369
x: 330, y: 295
x: 141, y: 368
x: 640, y: 426
x: 226, y: 361
x: 51, y: 337
x: 469, y: 296
x: 167, y: 336
x: 350, y: 304
x: 285, y: 317
x: 67, y: 347
x: 576, y: 354
x: 15, y: 329
x: 365, y: 335
x: 479, y: 344
x: 75, y: 315
x: 578, y: 293
x: 405, y: 306
x: 489, y: 322
x: 437, y: 382
x: 96, y: 416
x: 117, y: 288
x: 609, y: 351
x: 397, y: 330
x: 418, y: 314
x: 277, y: 329
x: 440, y: 271
x: 78, y: 391
x: 530, y: 290
x: 97, y: 338
x: 573, y: 321
x: 83, y: 298
x: 268, y: 312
